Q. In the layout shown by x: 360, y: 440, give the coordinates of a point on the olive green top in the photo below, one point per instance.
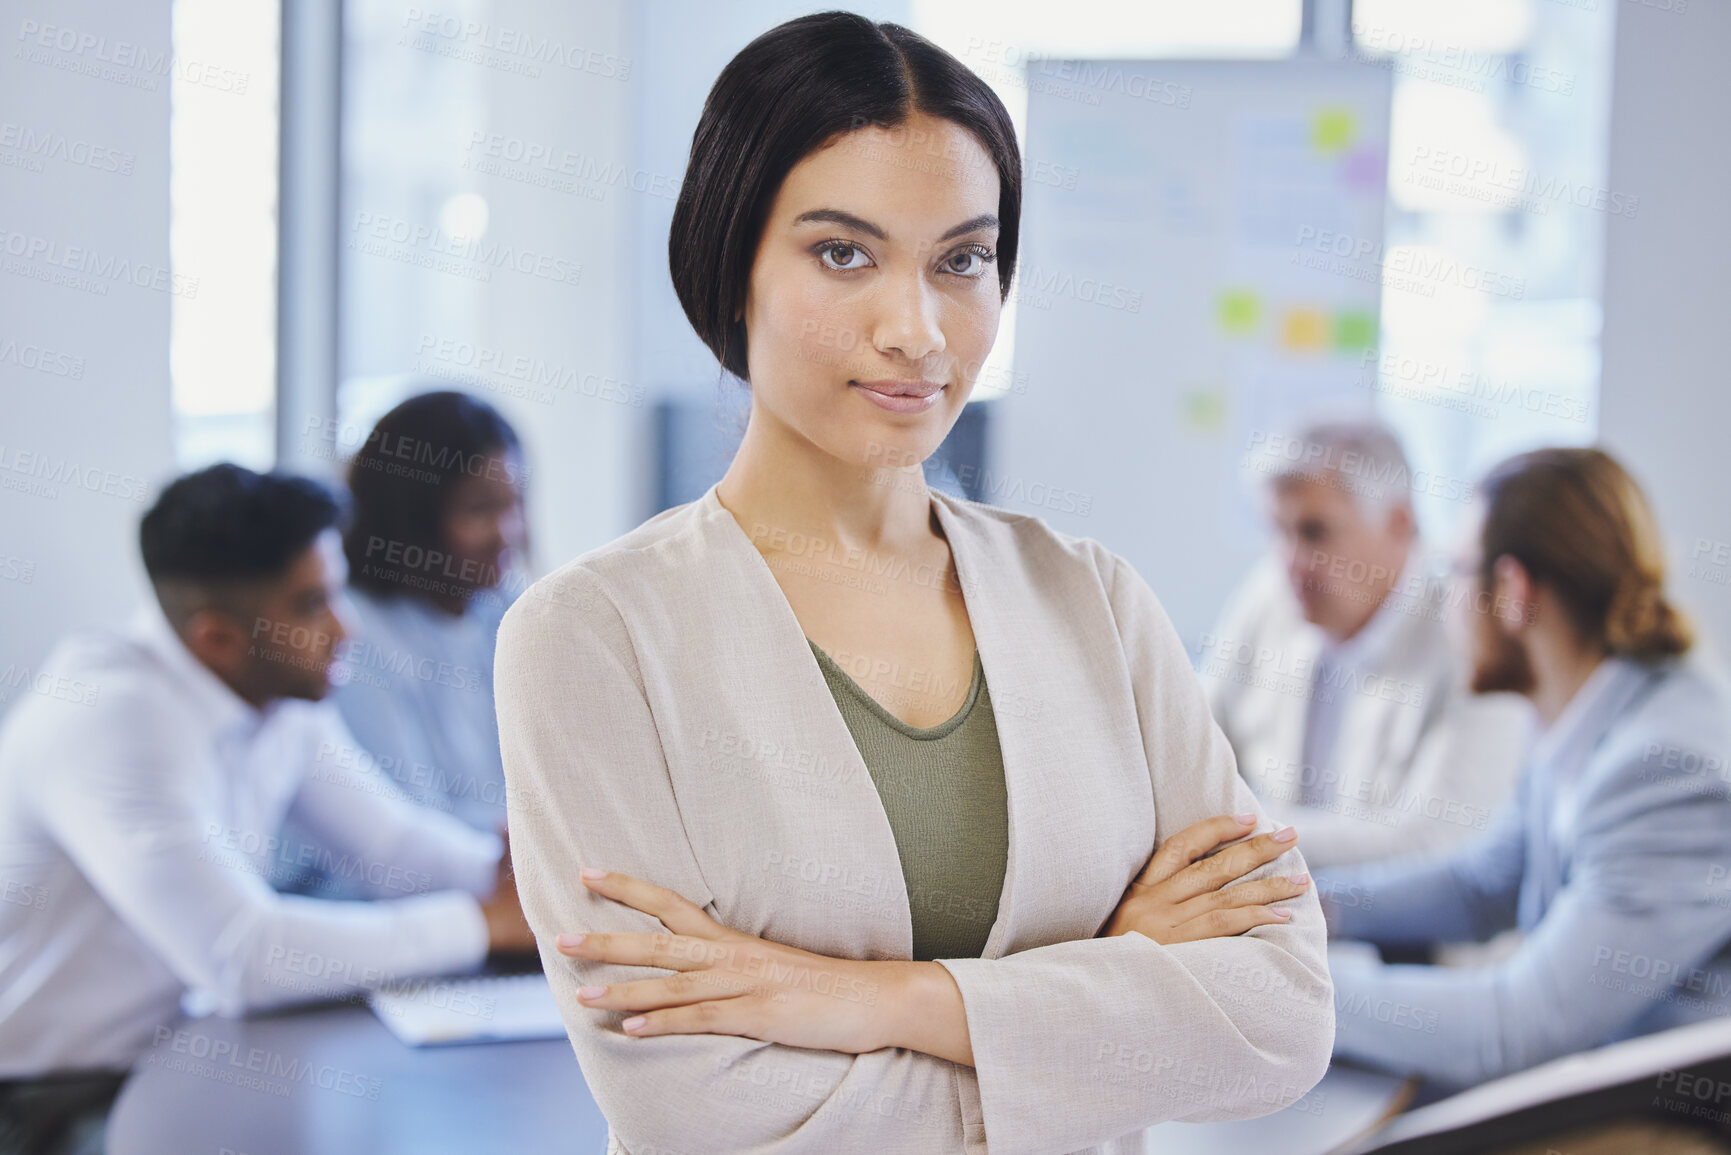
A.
x: 943, y: 791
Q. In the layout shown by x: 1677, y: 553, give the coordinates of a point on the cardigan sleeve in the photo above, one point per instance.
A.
x: 1221, y: 1029
x: 587, y: 784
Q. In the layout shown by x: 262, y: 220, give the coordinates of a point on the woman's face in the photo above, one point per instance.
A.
x: 484, y: 519
x: 873, y: 298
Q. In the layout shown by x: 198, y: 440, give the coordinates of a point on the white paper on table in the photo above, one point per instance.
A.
x: 478, y: 1009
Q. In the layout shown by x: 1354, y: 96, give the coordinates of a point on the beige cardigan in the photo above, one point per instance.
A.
x: 662, y: 714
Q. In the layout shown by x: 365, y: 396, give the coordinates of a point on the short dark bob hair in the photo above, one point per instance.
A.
x: 783, y: 97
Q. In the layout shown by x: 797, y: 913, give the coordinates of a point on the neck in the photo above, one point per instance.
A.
x: 451, y: 604
x: 1378, y: 595
x: 1562, y: 663
x: 256, y: 701
x: 251, y: 695
x: 780, y: 484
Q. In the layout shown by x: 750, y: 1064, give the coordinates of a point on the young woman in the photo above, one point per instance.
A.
x: 885, y: 779
x: 436, y: 531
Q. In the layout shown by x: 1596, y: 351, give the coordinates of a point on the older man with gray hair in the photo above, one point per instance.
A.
x: 1331, y: 671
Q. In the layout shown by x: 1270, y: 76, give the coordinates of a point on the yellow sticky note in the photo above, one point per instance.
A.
x: 1304, y: 330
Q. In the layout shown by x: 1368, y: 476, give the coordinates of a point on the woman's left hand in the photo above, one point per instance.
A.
x: 731, y: 983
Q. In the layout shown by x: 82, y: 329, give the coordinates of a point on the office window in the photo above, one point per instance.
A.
x: 410, y: 205
x: 1497, y: 215
x: 223, y: 138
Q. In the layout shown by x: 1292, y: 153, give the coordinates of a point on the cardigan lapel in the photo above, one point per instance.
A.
x: 1081, y: 810
x: 844, y: 828
x: 1065, y: 717
x: 786, y: 639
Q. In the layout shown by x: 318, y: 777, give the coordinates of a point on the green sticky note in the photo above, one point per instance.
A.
x: 1240, y: 311
x: 1354, y: 331
x: 1333, y: 130
x: 1204, y: 409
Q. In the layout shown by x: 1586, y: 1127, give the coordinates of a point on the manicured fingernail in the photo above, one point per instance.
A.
x: 592, y: 872
x: 632, y: 1024
x: 1282, y: 911
x: 1286, y: 834
x: 591, y: 992
x: 568, y: 940
x: 1245, y: 819
x: 1301, y: 879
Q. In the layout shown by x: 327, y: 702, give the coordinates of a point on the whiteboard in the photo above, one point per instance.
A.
x: 1180, y: 288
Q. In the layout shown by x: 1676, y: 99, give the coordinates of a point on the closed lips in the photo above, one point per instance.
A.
x: 901, y: 388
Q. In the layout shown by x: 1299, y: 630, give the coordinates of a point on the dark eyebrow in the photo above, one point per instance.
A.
x: 836, y: 216
x: 983, y: 221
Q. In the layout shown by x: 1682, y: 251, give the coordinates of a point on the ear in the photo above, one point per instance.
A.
x: 216, y: 639
x: 1511, y: 595
x: 1401, y: 522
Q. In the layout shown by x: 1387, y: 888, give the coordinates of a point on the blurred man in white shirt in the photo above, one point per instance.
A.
x: 140, y: 810
x: 1330, y: 670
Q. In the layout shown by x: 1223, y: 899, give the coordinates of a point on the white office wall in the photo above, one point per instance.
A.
x: 84, y: 390
x: 1666, y: 395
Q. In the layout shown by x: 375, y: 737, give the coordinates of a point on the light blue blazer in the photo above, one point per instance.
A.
x: 1614, y: 859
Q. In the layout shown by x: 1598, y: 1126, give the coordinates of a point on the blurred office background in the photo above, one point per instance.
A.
x: 234, y: 230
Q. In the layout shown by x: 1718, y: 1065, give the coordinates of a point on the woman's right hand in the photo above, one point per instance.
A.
x: 1182, y: 896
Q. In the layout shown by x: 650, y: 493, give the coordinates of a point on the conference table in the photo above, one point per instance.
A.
x: 331, y: 1080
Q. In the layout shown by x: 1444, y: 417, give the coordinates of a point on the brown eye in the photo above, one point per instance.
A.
x: 841, y: 256
x: 970, y: 262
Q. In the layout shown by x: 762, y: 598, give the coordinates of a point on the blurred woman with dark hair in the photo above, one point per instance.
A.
x: 436, y: 532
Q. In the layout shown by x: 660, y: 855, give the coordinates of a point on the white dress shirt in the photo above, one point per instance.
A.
x: 1376, y: 750
x: 1364, y: 650
x: 140, y: 829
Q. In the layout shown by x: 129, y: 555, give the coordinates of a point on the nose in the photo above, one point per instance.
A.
x: 908, y: 321
x: 512, y: 527
x: 1300, y: 566
x: 342, y: 613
